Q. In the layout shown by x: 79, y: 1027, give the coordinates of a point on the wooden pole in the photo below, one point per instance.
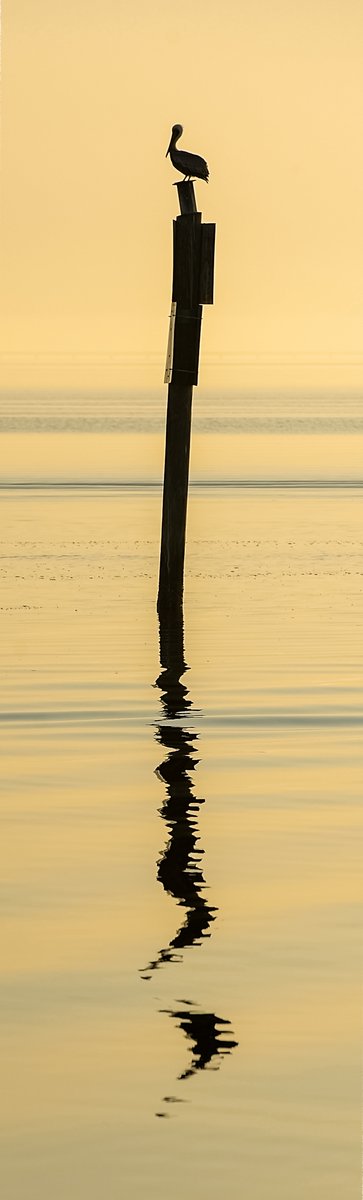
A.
x: 175, y: 495
x: 192, y: 286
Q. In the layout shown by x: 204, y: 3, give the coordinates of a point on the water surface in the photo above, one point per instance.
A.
x: 181, y: 809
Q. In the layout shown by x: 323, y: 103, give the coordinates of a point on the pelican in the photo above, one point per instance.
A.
x: 188, y: 164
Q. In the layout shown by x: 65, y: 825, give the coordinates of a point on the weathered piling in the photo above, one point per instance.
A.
x: 193, y: 269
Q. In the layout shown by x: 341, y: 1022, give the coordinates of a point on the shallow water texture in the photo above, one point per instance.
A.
x: 181, y: 847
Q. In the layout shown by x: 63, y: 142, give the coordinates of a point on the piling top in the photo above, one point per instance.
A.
x: 186, y: 197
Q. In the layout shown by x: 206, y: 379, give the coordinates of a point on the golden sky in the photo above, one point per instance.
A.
x: 269, y: 91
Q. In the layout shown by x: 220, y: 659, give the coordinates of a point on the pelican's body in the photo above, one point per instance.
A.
x: 188, y: 164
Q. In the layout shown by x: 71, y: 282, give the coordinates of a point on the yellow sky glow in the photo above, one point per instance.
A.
x: 271, y: 94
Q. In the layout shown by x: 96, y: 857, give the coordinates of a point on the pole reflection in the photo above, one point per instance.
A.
x: 179, y: 868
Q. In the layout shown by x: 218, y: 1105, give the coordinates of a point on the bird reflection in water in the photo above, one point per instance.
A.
x: 209, y: 1044
x: 208, y: 1041
x: 179, y: 868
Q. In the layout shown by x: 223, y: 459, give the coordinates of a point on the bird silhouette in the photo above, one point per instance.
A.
x: 188, y: 164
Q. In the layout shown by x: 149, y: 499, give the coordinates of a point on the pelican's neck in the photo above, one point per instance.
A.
x: 175, y: 138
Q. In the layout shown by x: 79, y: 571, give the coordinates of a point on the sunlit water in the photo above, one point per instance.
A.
x: 180, y: 966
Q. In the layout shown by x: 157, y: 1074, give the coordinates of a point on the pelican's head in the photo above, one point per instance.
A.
x: 175, y: 135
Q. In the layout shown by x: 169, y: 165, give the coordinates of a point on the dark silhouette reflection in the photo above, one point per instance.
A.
x: 208, y: 1041
x: 179, y: 867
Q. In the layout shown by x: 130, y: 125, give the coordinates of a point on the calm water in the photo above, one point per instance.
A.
x: 181, y: 818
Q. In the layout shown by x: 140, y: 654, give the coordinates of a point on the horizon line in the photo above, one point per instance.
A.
x: 147, y: 358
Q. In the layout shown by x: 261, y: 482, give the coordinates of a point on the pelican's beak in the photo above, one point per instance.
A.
x: 168, y: 150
